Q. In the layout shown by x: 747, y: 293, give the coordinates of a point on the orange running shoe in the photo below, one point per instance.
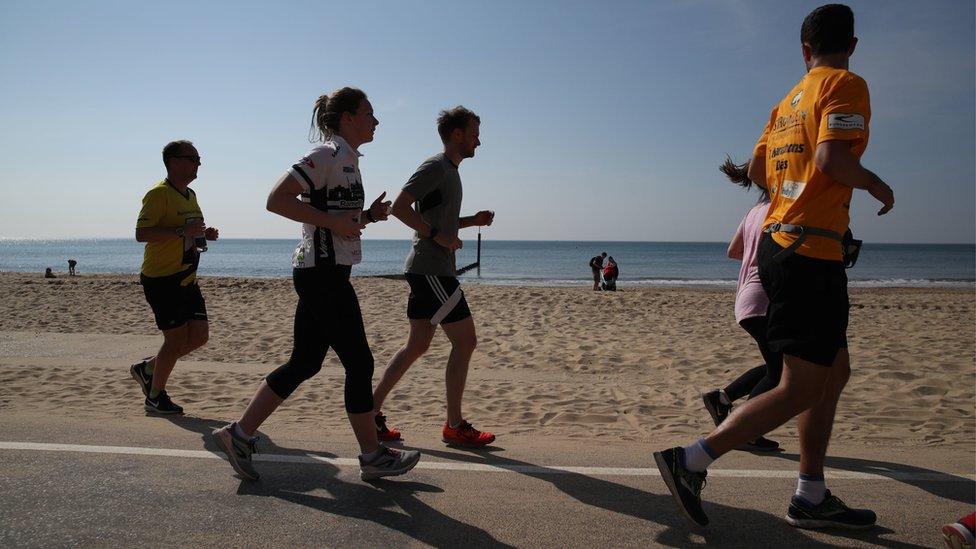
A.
x: 466, y: 435
x: 383, y: 432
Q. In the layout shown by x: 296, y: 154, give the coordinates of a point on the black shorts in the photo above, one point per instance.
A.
x: 438, y: 299
x: 808, y: 304
x: 172, y: 304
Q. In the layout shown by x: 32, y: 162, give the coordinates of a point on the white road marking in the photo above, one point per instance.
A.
x: 484, y: 467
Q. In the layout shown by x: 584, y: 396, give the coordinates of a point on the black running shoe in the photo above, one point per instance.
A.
x: 831, y: 513
x: 718, y: 411
x: 142, y: 377
x: 162, y: 404
x: 761, y: 444
x: 685, y: 485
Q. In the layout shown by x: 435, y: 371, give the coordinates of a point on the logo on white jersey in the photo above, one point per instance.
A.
x: 840, y: 121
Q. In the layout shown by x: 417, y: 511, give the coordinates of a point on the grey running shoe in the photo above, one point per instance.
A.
x: 718, y: 411
x: 142, y: 377
x: 238, y: 449
x: 685, y: 485
x: 831, y: 513
x: 388, y: 463
x: 162, y: 404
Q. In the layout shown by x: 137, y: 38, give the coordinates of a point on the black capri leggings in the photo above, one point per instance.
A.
x: 328, y: 315
x: 761, y: 378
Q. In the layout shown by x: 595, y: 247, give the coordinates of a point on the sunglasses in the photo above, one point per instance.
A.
x: 188, y: 157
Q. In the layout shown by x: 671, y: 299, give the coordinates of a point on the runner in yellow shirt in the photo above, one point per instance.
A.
x: 171, y: 225
x: 809, y: 159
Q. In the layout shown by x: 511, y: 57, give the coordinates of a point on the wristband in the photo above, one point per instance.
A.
x: 369, y: 216
x: 433, y: 233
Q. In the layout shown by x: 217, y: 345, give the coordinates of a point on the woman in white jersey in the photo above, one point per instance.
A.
x: 324, y: 192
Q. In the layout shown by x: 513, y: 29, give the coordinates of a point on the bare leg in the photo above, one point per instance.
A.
x: 364, y: 427
x: 421, y: 333
x: 816, y: 423
x: 174, y: 341
x: 463, y: 342
x: 263, y: 404
x: 801, y: 387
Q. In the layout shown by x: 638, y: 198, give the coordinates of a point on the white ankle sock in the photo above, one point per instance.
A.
x: 698, y: 457
x: 811, y: 488
x: 240, y: 432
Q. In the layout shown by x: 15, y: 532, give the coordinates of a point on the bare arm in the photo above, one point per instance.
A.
x: 757, y: 171
x: 403, y: 210
x: 480, y: 219
x: 736, y: 246
x: 283, y: 200
x: 835, y: 159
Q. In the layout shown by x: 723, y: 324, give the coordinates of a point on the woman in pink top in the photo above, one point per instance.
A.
x: 750, y: 310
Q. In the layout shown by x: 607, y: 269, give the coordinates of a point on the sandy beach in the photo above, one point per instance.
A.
x: 565, y: 362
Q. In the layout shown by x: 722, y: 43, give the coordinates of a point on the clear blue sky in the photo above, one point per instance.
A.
x: 600, y: 121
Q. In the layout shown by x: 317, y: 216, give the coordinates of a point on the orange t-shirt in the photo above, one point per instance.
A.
x: 828, y: 104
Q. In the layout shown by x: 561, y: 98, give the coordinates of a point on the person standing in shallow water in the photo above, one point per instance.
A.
x: 809, y: 158
x: 324, y: 192
x: 596, y: 265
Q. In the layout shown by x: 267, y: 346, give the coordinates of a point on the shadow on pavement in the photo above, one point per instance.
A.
x: 390, y: 503
x: 944, y: 485
x: 730, y: 526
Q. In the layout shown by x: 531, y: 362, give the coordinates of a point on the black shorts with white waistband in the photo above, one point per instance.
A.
x: 438, y: 299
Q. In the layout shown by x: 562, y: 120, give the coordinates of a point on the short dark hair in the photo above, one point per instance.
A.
x: 457, y: 118
x: 828, y: 29
x: 174, y: 148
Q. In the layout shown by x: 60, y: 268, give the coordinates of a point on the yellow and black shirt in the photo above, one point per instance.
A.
x: 164, y: 206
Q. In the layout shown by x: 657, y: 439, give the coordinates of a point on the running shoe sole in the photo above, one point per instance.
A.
x: 460, y: 444
x: 812, y: 524
x: 223, y: 440
x: 392, y: 472
x: 955, y: 536
x: 154, y: 410
x: 662, y: 467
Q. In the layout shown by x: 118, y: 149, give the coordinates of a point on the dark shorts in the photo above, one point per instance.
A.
x: 172, y: 304
x: 438, y: 299
x: 808, y: 304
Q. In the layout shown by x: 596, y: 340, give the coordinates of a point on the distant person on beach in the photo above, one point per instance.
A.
x: 170, y: 223
x: 71, y: 267
x: 324, y: 192
x: 750, y: 312
x: 435, y: 294
x: 596, y: 265
x: 809, y: 159
x: 49, y: 274
x: 610, y: 273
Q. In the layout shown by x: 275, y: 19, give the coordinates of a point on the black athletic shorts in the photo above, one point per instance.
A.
x: 172, y: 304
x: 438, y: 299
x: 808, y: 304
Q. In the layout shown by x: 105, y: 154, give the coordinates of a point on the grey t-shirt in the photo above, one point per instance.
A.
x: 436, y: 186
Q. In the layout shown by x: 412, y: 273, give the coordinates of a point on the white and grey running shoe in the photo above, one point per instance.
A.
x: 388, y: 463
x: 238, y: 449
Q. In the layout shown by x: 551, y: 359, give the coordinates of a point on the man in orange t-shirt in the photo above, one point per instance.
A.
x: 809, y: 159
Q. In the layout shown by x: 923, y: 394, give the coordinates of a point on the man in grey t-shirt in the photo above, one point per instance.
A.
x: 430, y: 204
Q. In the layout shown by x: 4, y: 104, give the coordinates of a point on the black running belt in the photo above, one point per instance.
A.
x: 802, y: 232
